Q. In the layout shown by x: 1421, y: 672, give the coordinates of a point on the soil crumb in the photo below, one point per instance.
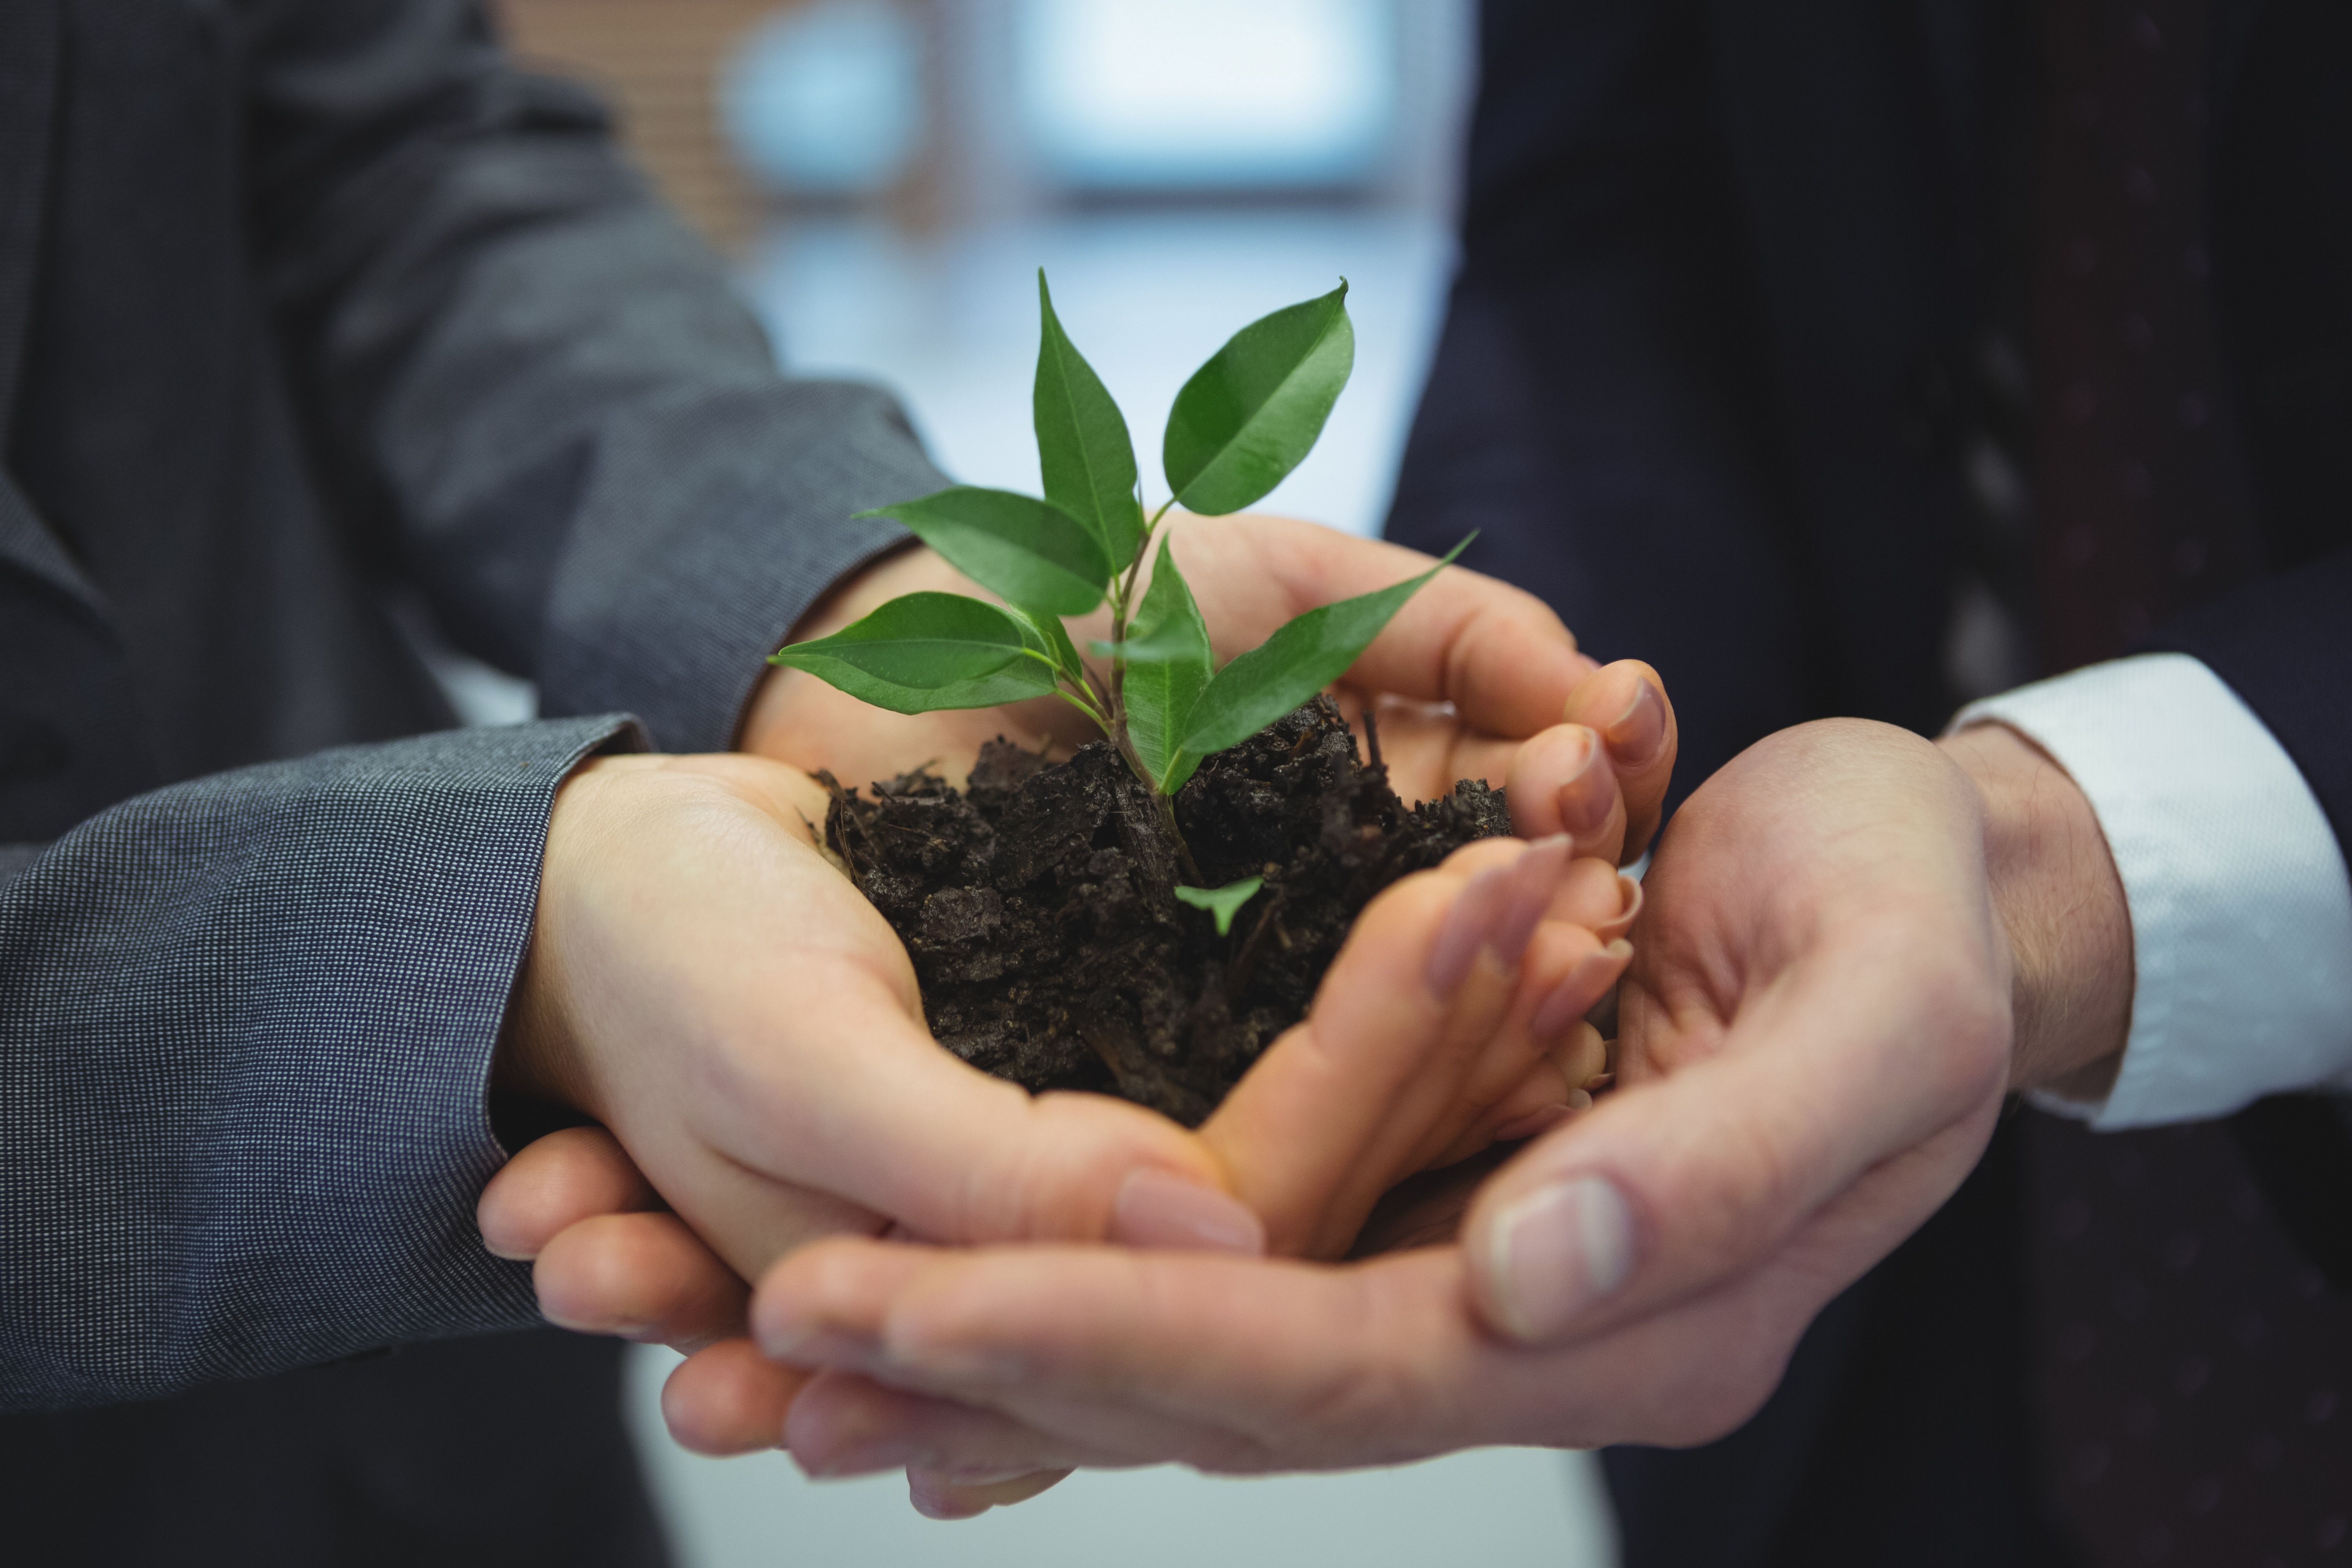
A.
x: 1037, y: 901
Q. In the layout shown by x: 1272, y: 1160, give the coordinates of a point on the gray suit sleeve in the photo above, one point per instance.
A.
x: 540, y: 390
x: 15, y: 860
x: 245, y: 1027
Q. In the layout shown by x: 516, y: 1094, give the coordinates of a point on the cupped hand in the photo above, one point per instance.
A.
x: 703, y: 983
x: 1817, y: 1033
x: 1454, y: 1015
x: 1474, y: 678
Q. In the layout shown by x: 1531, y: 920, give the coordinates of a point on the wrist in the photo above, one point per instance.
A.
x: 783, y: 698
x: 2056, y: 892
x: 535, y: 1057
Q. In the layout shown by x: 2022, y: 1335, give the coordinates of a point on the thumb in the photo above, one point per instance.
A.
x: 906, y: 1129
x: 1855, y: 1065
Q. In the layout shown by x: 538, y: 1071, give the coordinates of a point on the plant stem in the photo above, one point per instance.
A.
x: 1084, y: 704
x: 1114, y: 695
x: 1167, y: 817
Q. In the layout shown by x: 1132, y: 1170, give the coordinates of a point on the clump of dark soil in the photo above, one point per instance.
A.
x: 1037, y: 901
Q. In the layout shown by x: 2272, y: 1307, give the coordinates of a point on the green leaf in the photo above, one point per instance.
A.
x: 1248, y: 415
x: 1054, y: 640
x: 1032, y: 551
x: 1221, y: 902
x: 1083, y: 447
x: 926, y: 651
x: 1168, y: 665
x: 1302, y: 657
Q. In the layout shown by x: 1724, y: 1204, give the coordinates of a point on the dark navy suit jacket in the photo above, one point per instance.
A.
x: 307, y: 305
x: 1705, y: 384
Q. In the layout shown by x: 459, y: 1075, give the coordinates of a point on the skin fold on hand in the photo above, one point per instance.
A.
x: 1438, y: 677
x: 1854, y: 942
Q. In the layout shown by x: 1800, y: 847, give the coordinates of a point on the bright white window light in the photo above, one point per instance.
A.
x: 1202, y: 94
x: 827, y: 97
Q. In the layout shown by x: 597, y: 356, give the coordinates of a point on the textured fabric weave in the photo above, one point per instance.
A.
x: 308, y: 309
x: 245, y: 1027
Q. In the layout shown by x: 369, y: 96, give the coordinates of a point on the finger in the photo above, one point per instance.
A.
x: 1405, y: 1013
x: 1627, y: 704
x: 1239, y: 1366
x: 1566, y: 979
x: 1678, y: 1183
x: 1497, y: 653
x: 937, y: 1496
x: 905, y: 1129
x: 1556, y: 1090
x: 553, y: 1183
x: 848, y: 1425
x: 1228, y: 1364
x: 727, y: 1398
x: 1562, y: 782
x: 1429, y: 1023
x: 640, y: 1275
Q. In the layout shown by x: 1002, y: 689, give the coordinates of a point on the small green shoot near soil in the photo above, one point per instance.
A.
x: 1241, y: 423
x: 1221, y: 902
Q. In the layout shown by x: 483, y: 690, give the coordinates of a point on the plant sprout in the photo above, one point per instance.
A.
x: 1241, y: 423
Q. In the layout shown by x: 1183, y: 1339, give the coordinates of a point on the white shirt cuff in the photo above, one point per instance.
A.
x: 2240, y: 905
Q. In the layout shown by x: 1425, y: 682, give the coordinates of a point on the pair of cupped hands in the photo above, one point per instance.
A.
x: 1333, y: 1271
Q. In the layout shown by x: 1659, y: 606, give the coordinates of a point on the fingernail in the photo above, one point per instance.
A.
x: 1635, y: 735
x: 1535, y: 874
x: 1578, y: 990
x: 1557, y: 1251
x: 1586, y: 797
x: 1155, y: 1209
x: 1629, y: 891
x: 1473, y: 915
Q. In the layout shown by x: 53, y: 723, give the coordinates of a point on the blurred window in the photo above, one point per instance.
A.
x: 1144, y: 95
x: 827, y: 99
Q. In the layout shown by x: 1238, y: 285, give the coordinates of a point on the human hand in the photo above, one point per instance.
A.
x: 1454, y: 1013
x: 1582, y: 750
x: 702, y: 982
x: 1855, y: 942
x: 1497, y: 656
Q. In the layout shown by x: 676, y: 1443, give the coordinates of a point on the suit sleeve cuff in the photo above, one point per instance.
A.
x: 2240, y: 905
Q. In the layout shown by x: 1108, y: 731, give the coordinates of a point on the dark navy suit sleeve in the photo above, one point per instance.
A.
x: 245, y: 1027
x: 1594, y: 406
x: 538, y: 389
x: 2284, y: 646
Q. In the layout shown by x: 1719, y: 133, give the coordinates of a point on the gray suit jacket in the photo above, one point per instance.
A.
x: 304, y: 305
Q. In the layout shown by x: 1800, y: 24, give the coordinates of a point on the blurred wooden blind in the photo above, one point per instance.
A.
x: 659, y: 61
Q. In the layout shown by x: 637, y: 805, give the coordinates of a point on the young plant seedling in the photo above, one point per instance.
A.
x: 1222, y: 903
x: 1243, y: 421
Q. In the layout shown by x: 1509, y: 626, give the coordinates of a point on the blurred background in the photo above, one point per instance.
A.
x: 886, y: 176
